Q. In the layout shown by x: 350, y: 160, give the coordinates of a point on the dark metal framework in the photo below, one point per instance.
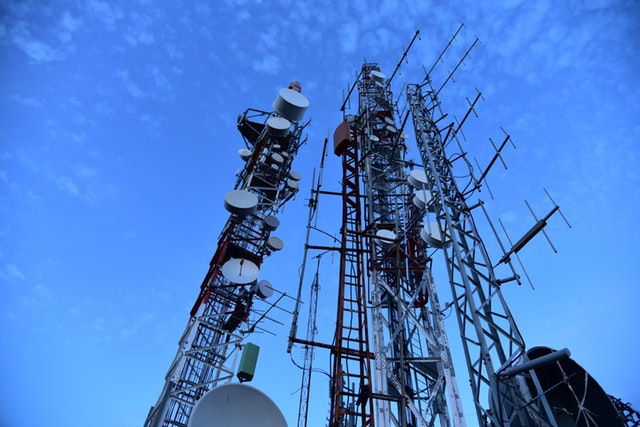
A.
x: 350, y: 375
x: 413, y: 368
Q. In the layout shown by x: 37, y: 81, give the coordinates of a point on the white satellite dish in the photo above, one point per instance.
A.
x: 275, y: 243
x: 385, y: 238
x: 293, y: 185
x: 278, y: 126
x: 291, y: 104
x: 236, y: 405
x: 377, y: 76
x: 277, y: 158
x: 270, y: 222
x: 431, y: 234
x: 240, y: 270
x: 263, y: 288
x: 418, y: 178
x: 240, y: 202
x: 295, y: 176
x: 245, y: 153
x: 423, y: 198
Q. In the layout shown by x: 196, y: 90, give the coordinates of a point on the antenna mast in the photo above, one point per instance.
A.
x: 225, y: 311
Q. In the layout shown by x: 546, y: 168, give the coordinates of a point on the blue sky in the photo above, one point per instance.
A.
x: 118, y: 143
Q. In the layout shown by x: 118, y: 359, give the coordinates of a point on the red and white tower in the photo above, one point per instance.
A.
x: 223, y: 314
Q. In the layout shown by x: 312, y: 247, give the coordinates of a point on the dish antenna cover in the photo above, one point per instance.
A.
x: 236, y: 405
x: 291, y: 104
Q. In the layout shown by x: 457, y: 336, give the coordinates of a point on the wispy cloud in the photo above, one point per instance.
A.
x: 66, y: 185
x: 130, y: 85
x: 268, y: 64
x: 38, y: 50
x: 139, y: 32
x: 68, y: 25
x: 30, y: 101
x: 349, y: 39
x: 11, y: 272
x: 105, y: 12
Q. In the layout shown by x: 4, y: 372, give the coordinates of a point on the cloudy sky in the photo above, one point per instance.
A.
x: 118, y: 143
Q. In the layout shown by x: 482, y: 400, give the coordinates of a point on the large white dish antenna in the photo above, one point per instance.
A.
x: 291, y: 104
x: 275, y: 243
x: 295, y: 176
x: 240, y: 270
x: 377, y: 76
x: 263, y: 288
x: 245, y: 153
x: 293, y: 185
x: 385, y: 238
x: 418, y: 178
x: 423, y: 198
x: 240, y: 202
x: 431, y: 234
x: 277, y: 158
x: 270, y: 222
x: 278, y: 126
x: 236, y: 405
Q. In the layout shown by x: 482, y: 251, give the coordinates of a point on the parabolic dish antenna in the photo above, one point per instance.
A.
x: 293, y: 185
x: 295, y: 176
x: 275, y: 243
x: 240, y: 202
x: 291, y: 104
x: 236, y: 405
x: 277, y: 158
x: 385, y: 238
x: 422, y: 198
x: 278, y: 126
x: 245, y: 153
x: 377, y: 76
x: 270, y: 222
x: 418, y: 178
x: 263, y: 288
x: 240, y: 270
x: 431, y: 234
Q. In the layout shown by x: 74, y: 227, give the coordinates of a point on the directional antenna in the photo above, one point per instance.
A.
x: 533, y: 231
x: 496, y: 156
x: 236, y: 405
x: 240, y: 270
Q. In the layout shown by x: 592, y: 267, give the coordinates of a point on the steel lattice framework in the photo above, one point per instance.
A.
x: 397, y: 216
x: 390, y: 359
x: 490, y: 337
x: 413, y: 367
x: 223, y: 314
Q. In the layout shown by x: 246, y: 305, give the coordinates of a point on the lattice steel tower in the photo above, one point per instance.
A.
x: 390, y: 356
x: 225, y: 311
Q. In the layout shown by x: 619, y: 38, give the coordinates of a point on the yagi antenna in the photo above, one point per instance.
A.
x: 516, y: 255
x: 477, y: 185
x: 496, y: 156
x: 533, y: 231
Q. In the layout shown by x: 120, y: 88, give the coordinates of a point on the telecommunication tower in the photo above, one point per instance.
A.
x: 226, y: 310
x: 391, y: 362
